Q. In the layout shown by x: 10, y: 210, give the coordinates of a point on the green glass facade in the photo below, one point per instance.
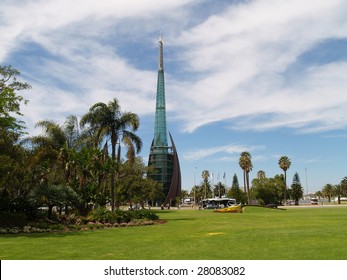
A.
x: 163, y: 157
x: 160, y: 132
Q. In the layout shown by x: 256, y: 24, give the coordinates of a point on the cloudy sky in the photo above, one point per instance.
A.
x: 266, y: 76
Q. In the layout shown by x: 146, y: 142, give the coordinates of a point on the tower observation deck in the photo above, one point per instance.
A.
x: 163, y: 158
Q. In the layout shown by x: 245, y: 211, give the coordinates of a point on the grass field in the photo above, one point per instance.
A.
x: 316, y: 233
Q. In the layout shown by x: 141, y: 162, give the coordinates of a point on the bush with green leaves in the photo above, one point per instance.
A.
x: 104, y: 215
x: 145, y: 215
x: 15, y: 219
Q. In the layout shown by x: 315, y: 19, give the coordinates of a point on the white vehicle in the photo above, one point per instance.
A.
x: 215, y: 203
x: 314, y: 201
x: 341, y: 199
x: 187, y: 201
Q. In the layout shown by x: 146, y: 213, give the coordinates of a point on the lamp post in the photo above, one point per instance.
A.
x: 194, y: 185
x: 306, y: 182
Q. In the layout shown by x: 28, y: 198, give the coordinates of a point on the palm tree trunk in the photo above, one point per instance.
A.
x: 113, y: 144
x: 248, y: 194
x: 112, y: 191
x: 117, y: 202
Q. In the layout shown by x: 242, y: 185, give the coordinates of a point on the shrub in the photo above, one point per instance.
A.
x: 122, y: 216
x: 27, y: 229
x: 74, y: 227
x: 3, y: 231
x: 70, y: 219
x: 100, y: 214
x: 13, y: 230
x: 15, y: 219
x: 144, y: 215
x: 57, y: 227
x: 103, y: 215
x: 43, y: 225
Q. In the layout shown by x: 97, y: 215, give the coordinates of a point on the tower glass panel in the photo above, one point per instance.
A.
x: 163, y: 158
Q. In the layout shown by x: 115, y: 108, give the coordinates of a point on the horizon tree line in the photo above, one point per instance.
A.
x: 268, y: 190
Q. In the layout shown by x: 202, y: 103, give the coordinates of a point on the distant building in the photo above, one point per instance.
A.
x: 163, y: 157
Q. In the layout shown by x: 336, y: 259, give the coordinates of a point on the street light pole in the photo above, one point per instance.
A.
x: 306, y: 182
x: 194, y: 185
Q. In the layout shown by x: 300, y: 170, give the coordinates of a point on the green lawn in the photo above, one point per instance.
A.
x: 258, y: 233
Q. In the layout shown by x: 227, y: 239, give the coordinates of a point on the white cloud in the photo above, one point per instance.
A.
x: 226, y: 149
x: 25, y: 20
x: 242, y: 56
x: 233, y: 63
x: 77, y: 62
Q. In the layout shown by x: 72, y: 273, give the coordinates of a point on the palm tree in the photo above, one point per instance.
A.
x: 56, y: 137
x: 108, y: 123
x: 284, y: 163
x: 49, y: 147
x: 55, y: 153
x: 53, y: 135
x: 343, y: 184
x: 261, y: 174
x: 219, y: 189
x: 245, y: 163
x: 205, y: 176
x: 57, y: 140
x: 72, y: 132
x: 319, y: 194
x: 338, y: 191
x: 328, y: 191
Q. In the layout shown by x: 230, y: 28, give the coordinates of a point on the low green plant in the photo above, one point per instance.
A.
x: 145, y: 215
x: 13, y: 219
x: 73, y: 227
x: 57, y: 227
x: 43, y: 225
x: 104, y: 215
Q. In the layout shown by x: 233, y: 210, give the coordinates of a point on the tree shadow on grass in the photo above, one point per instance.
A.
x: 57, y: 234
x: 181, y: 219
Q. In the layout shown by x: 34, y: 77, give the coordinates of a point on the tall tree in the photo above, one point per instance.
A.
x: 219, y: 189
x: 108, y: 122
x: 10, y: 101
x: 284, y: 163
x: 64, y: 161
x: 235, y: 191
x: 56, y: 141
x: 328, y: 191
x: 18, y: 174
x: 296, y: 189
x: 344, y: 186
x: 261, y: 174
x: 72, y: 132
x: 268, y: 190
x: 47, y: 148
x: 245, y: 163
x: 338, y: 191
x: 13, y: 158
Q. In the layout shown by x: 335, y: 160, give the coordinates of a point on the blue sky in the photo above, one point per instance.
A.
x: 267, y: 76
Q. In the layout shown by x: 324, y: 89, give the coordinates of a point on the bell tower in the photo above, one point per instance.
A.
x: 162, y: 157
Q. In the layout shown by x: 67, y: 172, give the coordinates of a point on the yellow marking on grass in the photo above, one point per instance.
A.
x: 215, y: 233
